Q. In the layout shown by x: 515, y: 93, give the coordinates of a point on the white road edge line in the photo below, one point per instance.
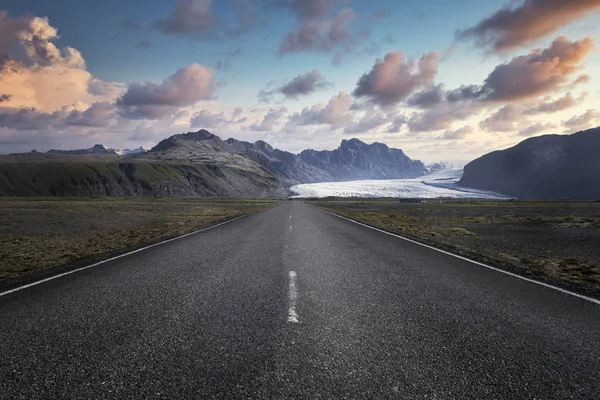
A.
x: 116, y: 257
x: 293, y: 299
x: 565, y: 291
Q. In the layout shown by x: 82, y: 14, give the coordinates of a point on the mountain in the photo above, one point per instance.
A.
x: 353, y: 160
x: 96, y: 149
x: 549, y: 166
x: 127, y: 152
x: 357, y: 160
x: 288, y: 167
x: 197, y: 164
x: 132, y: 179
x: 192, y: 164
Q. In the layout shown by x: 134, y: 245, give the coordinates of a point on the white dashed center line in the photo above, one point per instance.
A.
x: 293, y: 298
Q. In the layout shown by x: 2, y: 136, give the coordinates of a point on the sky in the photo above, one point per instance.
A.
x: 441, y: 79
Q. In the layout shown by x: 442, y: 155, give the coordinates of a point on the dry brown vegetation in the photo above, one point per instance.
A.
x: 37, y: 234
x: 556, y: 242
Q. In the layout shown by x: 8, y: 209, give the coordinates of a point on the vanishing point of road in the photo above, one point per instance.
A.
x: 295, y: 303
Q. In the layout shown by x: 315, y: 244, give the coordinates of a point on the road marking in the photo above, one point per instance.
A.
x: 293, y: 299
x: 115, y: 258
x: 565, y: 291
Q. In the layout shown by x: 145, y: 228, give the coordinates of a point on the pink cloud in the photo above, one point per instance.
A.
x: 393, y: 79
x: 509, y: 28
x: 185, y: 87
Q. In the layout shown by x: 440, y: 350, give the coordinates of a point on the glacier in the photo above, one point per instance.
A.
x: 442, y: 183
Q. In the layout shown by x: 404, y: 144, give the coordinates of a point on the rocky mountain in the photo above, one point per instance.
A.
x: 127, y: 152
x: 197, y: 164
x: 288, y: 167
x: 549, y: 166
x: 357, y: 160
x: 96, y: 149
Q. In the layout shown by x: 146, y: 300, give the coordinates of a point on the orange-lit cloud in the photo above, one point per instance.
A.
x: 510, y: 28
x: 34, y: 73
x: 538, y: 73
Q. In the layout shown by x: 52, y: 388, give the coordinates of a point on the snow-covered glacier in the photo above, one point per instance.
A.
x: 441, y: 183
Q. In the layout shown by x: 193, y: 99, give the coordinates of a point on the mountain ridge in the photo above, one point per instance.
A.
x: 547, y: 166
x: 196, y: 164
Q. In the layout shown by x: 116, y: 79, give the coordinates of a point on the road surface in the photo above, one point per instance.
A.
x: 295, y: 303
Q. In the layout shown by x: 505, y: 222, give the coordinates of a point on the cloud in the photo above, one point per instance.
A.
x: 549, y: 106
x: 393, y: 79
x: 538, y: 127
x: 4, y: 97
x: 301, y: 85
x: 397, y: 124
x: 434, y: 120
x: 28, y: 40
x: 225, y: 64
x: 458, y: 134
x: 335, y: 112
x: 319, y: 35
x: 317, y: 29
x: 505, y: 119
x: 34, y: 73
x: 208, y: 119
x: 509, y: 28
x: 270, y: 120
x: 185, y: 87
x: 196, y: 18
x: 537, y: 73
x: 428, y: 97
x: 371, y: 120
x: 189, y: 17
x: 28, y: 119
x: 589, y: 119
x: 442, y: 116
x: 100, y: 114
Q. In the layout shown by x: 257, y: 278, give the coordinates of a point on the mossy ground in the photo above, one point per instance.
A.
x: 42, y: 233
x: 556, y: 242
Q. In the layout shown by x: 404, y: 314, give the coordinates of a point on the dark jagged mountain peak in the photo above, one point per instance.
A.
x: 354, y: 159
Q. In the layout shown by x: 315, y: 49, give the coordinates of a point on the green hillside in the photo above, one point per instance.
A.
x: 99, y: 179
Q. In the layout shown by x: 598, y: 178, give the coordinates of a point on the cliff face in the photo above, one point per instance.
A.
x: 357, y: 160
x: 550, y: 166
x: 353, y: 160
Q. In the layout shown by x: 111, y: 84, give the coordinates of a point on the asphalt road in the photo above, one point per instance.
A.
x: 295, y: 303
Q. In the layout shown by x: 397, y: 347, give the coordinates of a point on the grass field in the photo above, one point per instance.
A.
x: 42, y: 234
x: 555, y: 242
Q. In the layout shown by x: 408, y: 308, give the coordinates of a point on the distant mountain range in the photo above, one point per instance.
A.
x: 549, y: 166
x: 352, y: 160
x: 99, y: 149
x: 197, y: 163
x: 202, y: 164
